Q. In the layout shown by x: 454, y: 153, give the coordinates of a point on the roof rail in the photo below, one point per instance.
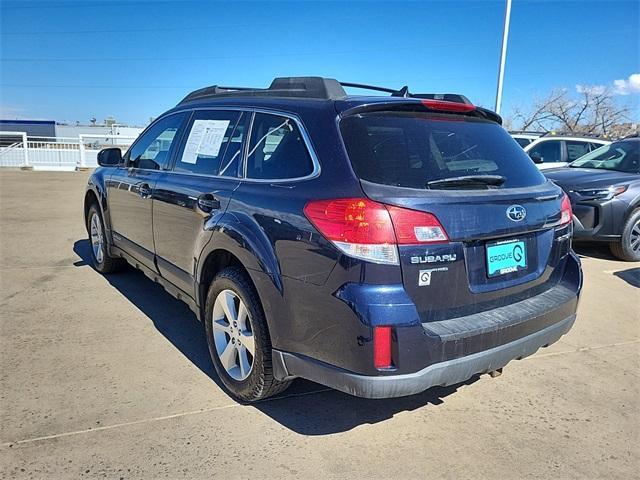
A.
x: 403, y: 92
x: 312, y: 87
x: 527, y: 132
x: 302, y: 87
x: 554, y: 133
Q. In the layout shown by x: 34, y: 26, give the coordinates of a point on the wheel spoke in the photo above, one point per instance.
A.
x: 221, y: 325
x: 248, y: 342
x: 242, y: 316
x: 228, y: 357
x: 229, y: 306
x: 243, y: 360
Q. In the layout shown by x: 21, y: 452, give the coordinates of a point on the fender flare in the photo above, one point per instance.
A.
x: 633, y: 204
x: 239, y: 235
x: 96, y: 186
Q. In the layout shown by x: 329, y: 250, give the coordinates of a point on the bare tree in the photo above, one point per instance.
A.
x: 593, y: 112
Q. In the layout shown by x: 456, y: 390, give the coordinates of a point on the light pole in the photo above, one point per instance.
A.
x: 503, y: 55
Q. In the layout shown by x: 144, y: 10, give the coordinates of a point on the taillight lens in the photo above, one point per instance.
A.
x: 359, y: 227
x: 382, y: 347
x: 565, y: 210
x: 369, y: 230
x: 414, y: 227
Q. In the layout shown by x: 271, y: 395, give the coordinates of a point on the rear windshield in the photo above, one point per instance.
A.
x: 409, y: 149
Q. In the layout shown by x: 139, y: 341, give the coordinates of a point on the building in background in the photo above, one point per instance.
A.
x: 34, y: 128
x: 41, y: 129
x: 51, y: 145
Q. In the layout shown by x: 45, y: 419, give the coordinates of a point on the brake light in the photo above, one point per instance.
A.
x: 369, y: 230
x: 446, y: 106
x: 382, y: 347
x: 565, y: 210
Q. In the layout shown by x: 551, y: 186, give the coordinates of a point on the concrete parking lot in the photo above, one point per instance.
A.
x: 110, y: 377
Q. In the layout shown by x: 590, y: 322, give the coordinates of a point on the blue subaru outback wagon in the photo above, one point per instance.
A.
x: 380, y: 245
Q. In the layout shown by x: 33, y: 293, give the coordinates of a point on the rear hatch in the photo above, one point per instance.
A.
x: 502, y: 218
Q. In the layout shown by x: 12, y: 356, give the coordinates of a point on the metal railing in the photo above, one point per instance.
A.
x: 57, y: 153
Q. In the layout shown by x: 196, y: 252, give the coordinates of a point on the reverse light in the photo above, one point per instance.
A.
x: 565, y: 210
x: 412, y: 227
x: 371, y: 231
x: 382, y: 347
x: 446, y: 106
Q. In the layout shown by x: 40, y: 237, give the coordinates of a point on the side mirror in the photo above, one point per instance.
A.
x: 536, y: 157
x: 109, y: 157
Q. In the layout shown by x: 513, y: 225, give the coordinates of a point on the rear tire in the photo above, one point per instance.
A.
x: 238, y: 337
x: 628, y: 248
x: 101, y: 260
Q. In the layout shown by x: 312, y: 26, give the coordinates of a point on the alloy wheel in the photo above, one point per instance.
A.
x: 97, y: 238
x: 634, y: 237
x: 233, y: 335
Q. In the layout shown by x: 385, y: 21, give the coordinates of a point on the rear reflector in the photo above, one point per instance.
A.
x: 382, y: 347
x: 446, y: 106
x: 565, y: 210
x: 369, y: 230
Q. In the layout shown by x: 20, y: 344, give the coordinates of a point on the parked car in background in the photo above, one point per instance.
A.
x: 380, y: 245
x: 524, y: 138
x: 604, y: 188
x: 552, y: 151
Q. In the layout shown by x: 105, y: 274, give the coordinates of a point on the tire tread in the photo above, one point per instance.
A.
x: 265, y: 384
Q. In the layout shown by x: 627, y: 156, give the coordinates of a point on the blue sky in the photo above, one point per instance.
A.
x: 71, y: 61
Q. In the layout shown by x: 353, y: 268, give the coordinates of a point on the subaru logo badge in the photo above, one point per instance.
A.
x: 516, y: 213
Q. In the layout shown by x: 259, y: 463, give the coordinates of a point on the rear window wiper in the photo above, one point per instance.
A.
x: 468, y: 181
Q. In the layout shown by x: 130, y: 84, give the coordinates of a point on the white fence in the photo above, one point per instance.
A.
x: 56, y: 153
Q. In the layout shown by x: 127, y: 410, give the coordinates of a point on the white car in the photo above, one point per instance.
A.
x: 525, y: 138
x: 554, y: 151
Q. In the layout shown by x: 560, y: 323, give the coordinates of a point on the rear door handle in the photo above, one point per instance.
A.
x: 144, y: 190
x: 208, y: 203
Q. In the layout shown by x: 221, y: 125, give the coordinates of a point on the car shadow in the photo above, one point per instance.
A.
x: 631, y: 276
x: 593, y: 250
x: 305, y: 408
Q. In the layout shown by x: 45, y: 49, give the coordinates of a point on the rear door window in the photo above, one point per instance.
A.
x: 576, y: 149
x: 277, y: 150
x: 409, y: 149
x: 548, y: 151
x: 523, y: 142
x: 207, y: 142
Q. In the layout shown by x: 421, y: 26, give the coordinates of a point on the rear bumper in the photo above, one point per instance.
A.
x: 444, y: 373
x: 450, y: 351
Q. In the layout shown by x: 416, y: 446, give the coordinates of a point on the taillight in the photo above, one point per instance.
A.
x: 359, y: 227
x: 447, y: 106
x: 382, y: 347
x: 414, y: 227
x: 565, y: 210
x: 369, y: 230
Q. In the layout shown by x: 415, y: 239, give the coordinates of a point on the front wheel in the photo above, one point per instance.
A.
x: 102, y: 261
x: 628, y: 248
x: 238, y: 337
